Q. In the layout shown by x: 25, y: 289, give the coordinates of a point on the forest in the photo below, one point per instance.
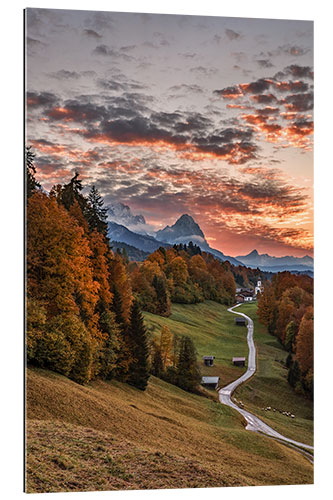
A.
x: 84, y: 301
x: 286, y: 309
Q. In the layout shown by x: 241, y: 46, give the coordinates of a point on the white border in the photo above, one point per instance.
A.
x: 12, y: 231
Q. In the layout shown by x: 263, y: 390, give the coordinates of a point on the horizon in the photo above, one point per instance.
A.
x: 172, y: 114
x: 152, y: 232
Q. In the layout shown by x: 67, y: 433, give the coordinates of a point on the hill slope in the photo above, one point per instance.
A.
x: 213, y: 332
x: 86, y: 438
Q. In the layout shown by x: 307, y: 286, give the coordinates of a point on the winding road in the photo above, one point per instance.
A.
x: 254, y: 423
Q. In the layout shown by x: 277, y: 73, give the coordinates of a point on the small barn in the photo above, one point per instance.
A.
x: 238, y: 361
x: 208, y: 360
x: 240, y: 321
x: 210, y: 382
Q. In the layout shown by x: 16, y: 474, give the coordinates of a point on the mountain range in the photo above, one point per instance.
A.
x: 124, y: 227
x: 183, y: 231
x: 274, y: 264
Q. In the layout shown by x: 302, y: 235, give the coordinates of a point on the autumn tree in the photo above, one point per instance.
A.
x: 267, y: 308
x: 66, y: 347
x: 290, y: 337
x: 304, y: 342
x: 166, y: 345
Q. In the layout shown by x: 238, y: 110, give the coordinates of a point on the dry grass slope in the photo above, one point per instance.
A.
x: 109, y: 436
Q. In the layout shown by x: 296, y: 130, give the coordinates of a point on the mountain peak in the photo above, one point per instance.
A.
x: 184, y: 227
x: 185, y: 217
x: 254, y: 253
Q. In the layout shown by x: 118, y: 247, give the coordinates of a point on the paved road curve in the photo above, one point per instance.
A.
x: 253, y: 423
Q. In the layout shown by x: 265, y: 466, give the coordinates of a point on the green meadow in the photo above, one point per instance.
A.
x: 213, y: 330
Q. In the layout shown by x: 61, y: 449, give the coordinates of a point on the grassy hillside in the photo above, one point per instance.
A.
x: 269, y: 387
x: 110, y: 436
x: 213, y: 331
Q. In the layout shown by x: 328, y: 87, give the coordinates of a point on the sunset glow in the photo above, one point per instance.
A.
x: 173, y: 115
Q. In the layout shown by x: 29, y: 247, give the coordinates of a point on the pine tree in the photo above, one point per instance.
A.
x: 157, y: 364
x: 123, y: 352
x: 71, y: 192
x: 163, y: 299
x: 188, y: 372
x: 31, y: 184
x: 294, y: 373
x: 139, y: 369
x: 109, y: 349
x: 96, y: 213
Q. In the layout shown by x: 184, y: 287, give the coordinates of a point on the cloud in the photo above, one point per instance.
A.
x: 265, y: 63
x: 296, y: 71
x: 104, y: 50
x: 201, y: 70
x: 293, y: 50
x: 64, y: 74
x: 299, y: 102
x: 229, y: 92
x: 257, y: 87
x: 290, y: 100
x: 193, y: 88
x: 232, y: 35
x: 91, y: 34
x: 264, y: 98
x: 40, y: 99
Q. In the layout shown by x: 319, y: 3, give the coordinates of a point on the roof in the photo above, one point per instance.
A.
x: 210, y: 380
x: 238, y: 318
x: 208, y: 357
x: 246, y: 294
x: 238, y: 359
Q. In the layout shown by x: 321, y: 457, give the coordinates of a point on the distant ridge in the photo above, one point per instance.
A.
x: 274, y: 264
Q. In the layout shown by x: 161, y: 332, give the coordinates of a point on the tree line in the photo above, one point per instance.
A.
x: 82, y: 319
x: 84, y: 302
x: 181, y: 274
x: 286, y: 308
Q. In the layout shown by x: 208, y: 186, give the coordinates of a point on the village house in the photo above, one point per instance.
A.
x: 244, y: 295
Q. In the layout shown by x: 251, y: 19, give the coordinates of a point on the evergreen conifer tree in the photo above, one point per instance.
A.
x: 157, y: 364
x: 188, y: 373
x: 71, y: 192
x: 139, y: 369
x: 31, y: 184
x: 97, y: 213
x: 163, y: 300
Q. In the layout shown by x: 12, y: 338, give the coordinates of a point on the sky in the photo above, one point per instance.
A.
x: 208, y: 116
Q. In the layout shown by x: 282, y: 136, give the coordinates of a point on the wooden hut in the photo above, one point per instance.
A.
x: 238, y: 361
x: 208, y: 360
x: 240, y: 321
x: 210, y: 382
